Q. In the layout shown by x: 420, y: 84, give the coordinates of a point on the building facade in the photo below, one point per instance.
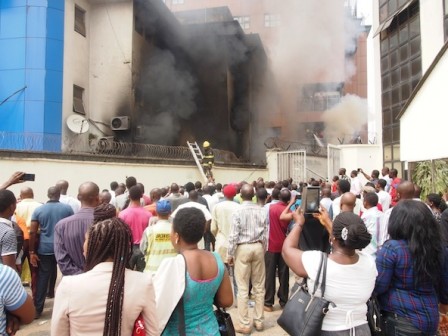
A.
x: 407, y: 36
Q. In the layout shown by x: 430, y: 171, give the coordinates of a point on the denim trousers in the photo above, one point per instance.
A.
x: 400, y: 326
x: 362, y: 330
x: 46, y: 267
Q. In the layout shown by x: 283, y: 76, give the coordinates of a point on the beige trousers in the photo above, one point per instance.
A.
x: 250, y: 268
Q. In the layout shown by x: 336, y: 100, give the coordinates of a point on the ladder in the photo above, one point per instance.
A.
x: 197, y: 155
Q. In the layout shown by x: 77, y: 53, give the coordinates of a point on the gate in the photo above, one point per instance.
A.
x: 333, y: 161
x: 291, y: 164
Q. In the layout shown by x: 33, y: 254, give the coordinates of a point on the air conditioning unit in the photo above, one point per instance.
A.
x: 120, y: 123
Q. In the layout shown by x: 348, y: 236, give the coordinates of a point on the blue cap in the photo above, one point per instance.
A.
x: 163, y: 207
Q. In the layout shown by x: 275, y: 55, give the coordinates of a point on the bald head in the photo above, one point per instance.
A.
x: 193, y: 195
x: 247, y: 192
x: 63, y: 186
x: 53, y: 193
x: 88, y: 195
x: 405, y: 190
x: 348, y: 202
x: 174, y: 188
x: 26, y: 192
x: 326, y: 192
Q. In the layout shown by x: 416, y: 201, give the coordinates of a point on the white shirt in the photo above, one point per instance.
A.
x: 372, y: 218
x: 348, y: 286
x: 355, y: 186
x: 326, y: 202
x: 384, y: 199
x: 211, y: 201
x: 73, y: 202
x: 388, y: 182
x: 336, y: 206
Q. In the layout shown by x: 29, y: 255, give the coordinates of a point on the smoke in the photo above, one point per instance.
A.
x: 310, y: 47
x: 346, y: 119
x: 168, y: 93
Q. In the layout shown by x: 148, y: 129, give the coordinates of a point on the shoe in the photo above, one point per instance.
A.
x: 268, y: 309
x: 258, y: 326
x: 37, y: 316
x: 243, y: 330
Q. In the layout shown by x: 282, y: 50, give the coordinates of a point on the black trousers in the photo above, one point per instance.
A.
x: 274, y: 261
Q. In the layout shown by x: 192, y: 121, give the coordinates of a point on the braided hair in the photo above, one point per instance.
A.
x: 350, y: 230
x: 111, y: 238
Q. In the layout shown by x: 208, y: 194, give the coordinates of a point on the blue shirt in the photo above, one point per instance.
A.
x: 398, y: 293
x: 12, y: 294
x: 48, y: 215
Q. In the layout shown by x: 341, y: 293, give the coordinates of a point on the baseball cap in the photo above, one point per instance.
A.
x: 163, y: 207
x: 229, y: 191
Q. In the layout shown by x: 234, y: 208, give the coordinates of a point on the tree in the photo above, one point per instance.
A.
x: 431, y: 177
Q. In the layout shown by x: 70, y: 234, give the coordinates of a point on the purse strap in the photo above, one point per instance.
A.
x: 180, y: 306
x: 322, y: 266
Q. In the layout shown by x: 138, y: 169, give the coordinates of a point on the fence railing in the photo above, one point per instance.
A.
x: 37, y: 142
x: 312, y: 147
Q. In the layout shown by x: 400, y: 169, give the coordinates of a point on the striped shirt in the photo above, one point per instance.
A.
x: 69, y: 236
x: 8, y: 239
x: 12, y: 294
x: 249, y: 226
x: 156, y: 245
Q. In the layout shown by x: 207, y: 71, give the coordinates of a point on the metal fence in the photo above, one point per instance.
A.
x: 104, y: 147
x: 291, y: 164
x: 311, y: 147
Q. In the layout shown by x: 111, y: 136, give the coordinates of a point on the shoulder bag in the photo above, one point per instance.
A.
x: 374, y: 317
x: 225, y: 322
x: 304, y: 313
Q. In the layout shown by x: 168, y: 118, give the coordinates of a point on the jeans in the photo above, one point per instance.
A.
x: 46, y: 267
x: 399, y: 326
x: 274, y: 261
x: 137, y: 260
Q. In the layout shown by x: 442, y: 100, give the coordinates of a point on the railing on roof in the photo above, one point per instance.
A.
x: 312, y: 147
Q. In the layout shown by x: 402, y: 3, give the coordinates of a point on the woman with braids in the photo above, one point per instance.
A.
x: 412, y: 271
x: 350, y: 275
x: 108, y: 298
x: 207, y: 280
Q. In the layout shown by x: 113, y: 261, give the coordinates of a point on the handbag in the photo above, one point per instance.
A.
x: 374, y: 317
x: 139, y: 327
x: 225, y: 323
x: 304, y: 313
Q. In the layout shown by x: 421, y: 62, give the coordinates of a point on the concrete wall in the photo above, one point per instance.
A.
x: 367, y: 157
x: 431, y: 25
x: 424, y: 122
x: 49, y: 171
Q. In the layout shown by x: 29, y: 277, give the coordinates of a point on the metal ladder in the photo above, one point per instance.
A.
x: 197, y: 155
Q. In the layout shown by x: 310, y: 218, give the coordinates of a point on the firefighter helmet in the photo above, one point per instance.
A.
x: 206, y: 144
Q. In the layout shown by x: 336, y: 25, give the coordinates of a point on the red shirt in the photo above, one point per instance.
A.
x: 393, y: 190
x: 277, y: 228
x: 137, y: 218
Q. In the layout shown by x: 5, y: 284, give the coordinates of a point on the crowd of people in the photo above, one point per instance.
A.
x: 164, y: 259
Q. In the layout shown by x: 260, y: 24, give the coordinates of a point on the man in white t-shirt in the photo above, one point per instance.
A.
x: 372, y: 217
x: 385, y: 176
x: 384, y: 197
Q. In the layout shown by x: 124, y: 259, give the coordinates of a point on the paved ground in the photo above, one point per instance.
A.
x: 41, y: 327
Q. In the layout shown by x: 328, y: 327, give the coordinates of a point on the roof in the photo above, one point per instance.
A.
x: 423, y: 79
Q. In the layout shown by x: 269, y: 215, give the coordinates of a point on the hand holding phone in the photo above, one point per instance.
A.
x: 28, y: 177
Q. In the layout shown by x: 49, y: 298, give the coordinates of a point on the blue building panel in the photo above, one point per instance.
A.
x: 36, y: 22
x: 12, y: 53
x: 13, y: 22
x: 32, y: 34
x: 35, y: 81
x: 34, y: 117
x: 36, y: 52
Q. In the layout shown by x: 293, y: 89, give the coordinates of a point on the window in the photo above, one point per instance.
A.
x: 80, y: 20
x: 178, y: 2
x: 401, y: 69
x: 78, y: 104
x: 244, y: 21
x: 271, y: 20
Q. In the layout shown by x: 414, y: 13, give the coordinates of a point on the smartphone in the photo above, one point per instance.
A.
x: 28, y: 177
x: 310, y: 200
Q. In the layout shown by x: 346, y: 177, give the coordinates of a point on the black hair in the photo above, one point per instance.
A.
x: 113, y: 185
x: 285, y: 183
x: 130, y: 182
x: 357, y: 235
x: 189, y: 187
x: 370, y: 184
x: 438, y: 202
x: 413, y: 222
x: 371, y: 199
x: 375, y: 173
x: 7, y: 199
x: 382, y: 183
x: 189, y: 223
x: 262, y: 194
x: 218, y: 186
x: 285, y: 195
x: 275, y: 194
x: 111, y: 238
x: 344, y: 186
x: 198, y: 184
x: 135, y: 193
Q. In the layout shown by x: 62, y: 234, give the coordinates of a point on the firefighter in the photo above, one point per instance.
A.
x: 208, y: 160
